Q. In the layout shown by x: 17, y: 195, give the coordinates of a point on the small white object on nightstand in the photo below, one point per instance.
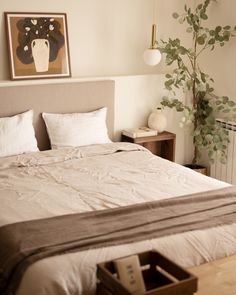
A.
x: 157, y: 120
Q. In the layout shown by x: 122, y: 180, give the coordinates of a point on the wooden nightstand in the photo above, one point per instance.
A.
x: 162, y: 145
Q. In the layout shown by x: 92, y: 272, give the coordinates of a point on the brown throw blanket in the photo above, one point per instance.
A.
x: 23, y: 243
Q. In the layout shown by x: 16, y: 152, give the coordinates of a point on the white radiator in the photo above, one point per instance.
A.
x: 227, y: 172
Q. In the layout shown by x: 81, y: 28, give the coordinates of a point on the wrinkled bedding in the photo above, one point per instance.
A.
x: 52, y: 183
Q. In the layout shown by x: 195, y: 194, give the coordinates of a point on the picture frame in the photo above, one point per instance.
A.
x: 38, y: 45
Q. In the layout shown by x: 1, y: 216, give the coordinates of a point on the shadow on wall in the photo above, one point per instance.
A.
x: 4, y: 68
x: 184, y: 146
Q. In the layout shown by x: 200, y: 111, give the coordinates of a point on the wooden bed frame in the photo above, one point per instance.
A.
x: 58, y: 98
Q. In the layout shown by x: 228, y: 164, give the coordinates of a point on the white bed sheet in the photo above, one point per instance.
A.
x: 59, y: 182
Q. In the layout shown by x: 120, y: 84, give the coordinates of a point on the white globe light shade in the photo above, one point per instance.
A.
x: 152, y: 57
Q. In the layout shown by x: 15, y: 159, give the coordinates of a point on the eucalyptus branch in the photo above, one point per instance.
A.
x: 186, y: 69
x: 190, y: 59
x: 207, y: 133
x: 204, y: 48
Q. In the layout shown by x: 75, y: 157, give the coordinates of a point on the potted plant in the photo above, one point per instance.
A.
x: 202, y: 105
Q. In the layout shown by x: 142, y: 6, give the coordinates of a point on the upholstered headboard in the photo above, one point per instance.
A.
x: 58, y: 98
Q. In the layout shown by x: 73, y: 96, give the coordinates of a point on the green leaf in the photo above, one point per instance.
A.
x: 196, y: 28
x: 210, y: 120
x: 175, y: 15
x: 165, y: 98
x: 203, y: 77
x: 179, y: 108
x: 211, y: 41
x: 226, y: 111
x: 231, y: 103
x: 220, y: 108
x: 203, y: 16
x: 226, y: 38
x: 200, y: 40
x: 225, y: 99
x: 168, y: 83
x: 221, y: 38
x: 226, y: 33
x: 212, y: 33
x: 218, y: 29
x: 168, y: 76
x: 227, y: 28
x: 210, y: 154
x: 189, y: 84
x: 189, y: 30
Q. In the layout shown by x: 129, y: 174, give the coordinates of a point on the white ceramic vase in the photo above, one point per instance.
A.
x: 40, y: 52
x: 157, y: 120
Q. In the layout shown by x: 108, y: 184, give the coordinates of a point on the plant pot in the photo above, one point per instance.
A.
x: 197, y: 168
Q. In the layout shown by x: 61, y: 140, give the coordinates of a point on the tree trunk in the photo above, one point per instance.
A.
x: 194, y: 161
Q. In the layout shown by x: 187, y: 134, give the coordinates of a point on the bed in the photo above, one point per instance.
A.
x: 50, y: 183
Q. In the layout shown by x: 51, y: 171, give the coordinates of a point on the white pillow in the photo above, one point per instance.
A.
x: 17, y: 135
x: 77, y: 129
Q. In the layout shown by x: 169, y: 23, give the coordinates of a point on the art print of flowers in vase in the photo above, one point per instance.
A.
x: 39, y: 40
x: 38, y: 45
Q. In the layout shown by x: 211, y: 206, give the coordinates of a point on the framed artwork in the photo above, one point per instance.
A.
x: 38, y: 45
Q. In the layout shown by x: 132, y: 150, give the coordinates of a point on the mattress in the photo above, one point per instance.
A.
x: 58, y: 182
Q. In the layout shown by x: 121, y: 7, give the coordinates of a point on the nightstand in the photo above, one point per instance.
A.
x: 162, y: 145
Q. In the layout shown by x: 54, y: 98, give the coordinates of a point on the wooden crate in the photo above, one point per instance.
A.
x: 161, y: 277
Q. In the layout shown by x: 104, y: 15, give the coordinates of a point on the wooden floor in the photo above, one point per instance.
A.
x: 216, y: 278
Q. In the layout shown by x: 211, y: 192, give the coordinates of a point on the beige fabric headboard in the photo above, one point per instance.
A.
x: 58, y: 98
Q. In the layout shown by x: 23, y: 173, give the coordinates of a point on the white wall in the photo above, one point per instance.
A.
x: 136, y: 97
x: 107, y: 38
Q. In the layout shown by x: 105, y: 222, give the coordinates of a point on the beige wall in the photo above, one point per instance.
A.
x: 221, y: 63
x: 136, y: 97
x: 107, y: 38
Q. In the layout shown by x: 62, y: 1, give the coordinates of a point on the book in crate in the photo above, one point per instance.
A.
x: 161, y: 277
x: 139, y: 132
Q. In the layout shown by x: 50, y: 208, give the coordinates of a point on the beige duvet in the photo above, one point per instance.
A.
x: 64, y: 181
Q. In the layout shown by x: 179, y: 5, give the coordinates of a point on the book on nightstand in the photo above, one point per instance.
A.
x: 139, y: 132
